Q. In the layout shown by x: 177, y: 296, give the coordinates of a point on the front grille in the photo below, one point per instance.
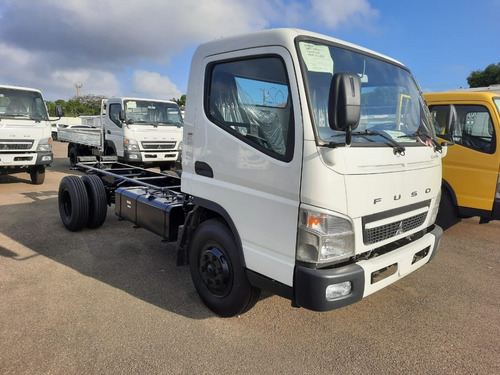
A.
x: 12, y: 145
x: 383, y: 232
x: 373, y: 233
x: 158, y: 145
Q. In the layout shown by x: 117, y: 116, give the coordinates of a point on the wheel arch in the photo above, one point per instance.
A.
x: 109, y: 146
x: 205, y: 210
x: 445, y: 186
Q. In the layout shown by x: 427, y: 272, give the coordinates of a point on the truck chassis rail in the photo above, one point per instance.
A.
x: 147, y: 198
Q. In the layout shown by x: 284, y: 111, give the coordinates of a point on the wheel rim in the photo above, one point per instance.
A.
x: 66, y: 203
x: 215, y: 271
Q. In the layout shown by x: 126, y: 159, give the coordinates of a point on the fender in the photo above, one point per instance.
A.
x: 447, y: 186
x: 204, y: 208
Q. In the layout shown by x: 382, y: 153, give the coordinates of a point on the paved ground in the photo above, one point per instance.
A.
x: 112, y: 301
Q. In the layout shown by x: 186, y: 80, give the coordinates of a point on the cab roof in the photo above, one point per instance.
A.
x: 460, y: 96
x: 273, y: 37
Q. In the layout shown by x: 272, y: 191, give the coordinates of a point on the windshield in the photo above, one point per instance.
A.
x: 22, y: 104
x: 151, y: 112
x: 497, y: 102
x: 392, y: 108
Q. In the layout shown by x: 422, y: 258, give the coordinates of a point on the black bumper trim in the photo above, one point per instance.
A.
x: 310, y: 286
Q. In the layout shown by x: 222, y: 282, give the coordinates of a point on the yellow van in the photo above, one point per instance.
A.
x: 471, y: 180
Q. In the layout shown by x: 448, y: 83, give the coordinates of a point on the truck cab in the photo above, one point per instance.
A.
x: 25, y: 133
x: 471, y: 171
x: 142, y: 131
x: 320, y: 159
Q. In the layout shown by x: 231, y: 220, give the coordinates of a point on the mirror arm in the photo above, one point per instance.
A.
x: 348, y: 136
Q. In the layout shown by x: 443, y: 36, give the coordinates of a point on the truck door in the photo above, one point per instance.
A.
x: 247, y: 155
x: 471, y: 166
x: 113, y: 128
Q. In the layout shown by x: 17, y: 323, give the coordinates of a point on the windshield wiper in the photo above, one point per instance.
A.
x: 169, y: 123
x: 398, y: 148
x: 428, y: 139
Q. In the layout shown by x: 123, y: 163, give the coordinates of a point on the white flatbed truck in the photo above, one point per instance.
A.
x: 310, y: 169
x: 138, y: 131
x: 25, y: 132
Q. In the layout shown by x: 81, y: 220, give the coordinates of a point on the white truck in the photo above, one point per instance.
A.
x: 310, y: 169
x: 25, y: 132
x: 137, y: 131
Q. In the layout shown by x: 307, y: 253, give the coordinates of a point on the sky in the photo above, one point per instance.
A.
x: 144, y: 48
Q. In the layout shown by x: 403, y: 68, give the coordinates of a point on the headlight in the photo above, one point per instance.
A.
x: 323, y: 237
x: 130, y: 145
x: 45, y: 145
x: 180, y: 146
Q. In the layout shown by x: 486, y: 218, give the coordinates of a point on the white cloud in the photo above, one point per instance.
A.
x: 93, y: 82
x: 349, y: 13
x: 97, y: 41
x: 151, y: 84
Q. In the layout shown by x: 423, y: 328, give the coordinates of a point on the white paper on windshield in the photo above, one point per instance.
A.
x: 317, y: 58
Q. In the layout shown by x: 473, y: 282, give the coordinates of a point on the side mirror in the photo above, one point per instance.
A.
x: 59, y: 111
x: 344, y: 102
x: 122, y: 115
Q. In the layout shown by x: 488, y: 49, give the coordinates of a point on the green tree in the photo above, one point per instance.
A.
x: 181, y: 102
x: 78, y: 106
x: 486, y: 77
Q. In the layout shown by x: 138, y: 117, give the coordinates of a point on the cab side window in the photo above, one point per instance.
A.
x: 250, y: 100
x: 114, y: 114
x: 474, y: 128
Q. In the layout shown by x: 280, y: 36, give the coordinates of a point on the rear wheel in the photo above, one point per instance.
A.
x: 73, y: 203
x: 98, y: 204
x: 38, y: 175
x: 73, y: 156
x: 217, y: 273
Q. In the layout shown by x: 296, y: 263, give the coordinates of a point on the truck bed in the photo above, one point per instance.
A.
x: 83, y: 136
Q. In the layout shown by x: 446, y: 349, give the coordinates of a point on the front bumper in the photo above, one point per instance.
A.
x: 151, y: 157
x: 366, y: 276
x: 20, y: 160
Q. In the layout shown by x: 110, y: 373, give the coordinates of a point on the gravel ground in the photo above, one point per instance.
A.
x: 112, y: 301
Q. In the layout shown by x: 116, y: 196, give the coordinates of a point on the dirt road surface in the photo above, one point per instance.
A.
x: 112, y: 301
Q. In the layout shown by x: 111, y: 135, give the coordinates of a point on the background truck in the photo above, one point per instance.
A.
x: 137, y: 131
x: 311, y: 169
x: 25, y: 134
x: 471, y: 171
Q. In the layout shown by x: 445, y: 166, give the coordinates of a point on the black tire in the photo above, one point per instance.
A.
x: 37, y: 176
x: 217, y: 273
x: 98, y: 203
x: 448, y: 214
x: 73, y: 156
x: 73, y: 203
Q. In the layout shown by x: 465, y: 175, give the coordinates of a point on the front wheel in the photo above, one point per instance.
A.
x: 217, y: 273
x: 37, y: 176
